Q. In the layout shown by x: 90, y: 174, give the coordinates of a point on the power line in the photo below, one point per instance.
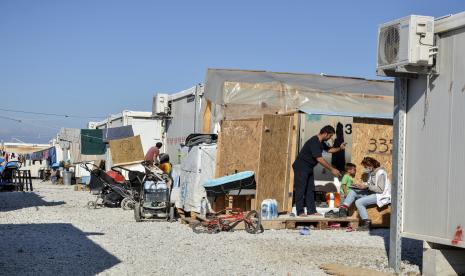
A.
x: 11, y: 119
x: 52, y: 114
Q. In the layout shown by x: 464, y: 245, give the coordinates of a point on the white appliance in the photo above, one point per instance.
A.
x: 406, y: 45
x: 160, y: 104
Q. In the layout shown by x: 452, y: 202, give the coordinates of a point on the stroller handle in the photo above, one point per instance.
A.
x: 86, y: 166
x: 19, y: 164
x: 116, y: 168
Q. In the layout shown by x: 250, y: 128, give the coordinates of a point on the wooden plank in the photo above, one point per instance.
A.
x: 207, y: 118
x: 372, y: 137
x: 320, y: 223
x: 316, y: 219
x: 294, y: 147
x: 274, y: 160
x: 238, y: 147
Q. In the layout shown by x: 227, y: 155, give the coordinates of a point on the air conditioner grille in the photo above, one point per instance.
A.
x: 389, y: 43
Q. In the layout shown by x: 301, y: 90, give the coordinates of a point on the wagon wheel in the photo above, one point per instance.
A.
x: 253, y: 223
x: 202, y: 227
x: 127, y: 204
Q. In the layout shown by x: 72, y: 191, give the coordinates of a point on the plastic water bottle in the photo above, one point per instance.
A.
x: 269, y: 209
x: 203, y: 207
x: 149, y: 185
x: 274, y: 212
x: 264, y: 209
x: 161, y: 185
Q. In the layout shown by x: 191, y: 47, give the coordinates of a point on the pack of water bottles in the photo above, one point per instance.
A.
x: 269, y: 209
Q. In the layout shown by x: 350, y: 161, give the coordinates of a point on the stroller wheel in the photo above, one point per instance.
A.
x: 91, y: 205
x: 137, y: 213
x: 127, y: 204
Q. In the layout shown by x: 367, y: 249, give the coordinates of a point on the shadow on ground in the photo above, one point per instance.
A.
x: 51, y: 249
x: 18, y: 200
x: 412, y: 250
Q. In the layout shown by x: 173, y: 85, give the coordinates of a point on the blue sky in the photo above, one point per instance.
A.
x: 94, y: 58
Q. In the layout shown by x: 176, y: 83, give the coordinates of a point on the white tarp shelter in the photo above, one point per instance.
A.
x: 286, y: 92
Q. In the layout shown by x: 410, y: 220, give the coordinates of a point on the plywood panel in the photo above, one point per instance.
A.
x: 247, y: 111
x: 273, y: 177
x: 126, y: 151
x: 372, y: 137
x: 207, y: 118
x: 294, y: 145
x: 238, y: 146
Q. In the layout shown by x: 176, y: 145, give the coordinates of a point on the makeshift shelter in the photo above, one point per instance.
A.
x: 263, y: 118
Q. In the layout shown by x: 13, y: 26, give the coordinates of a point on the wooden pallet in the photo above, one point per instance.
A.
x: 319, y: 222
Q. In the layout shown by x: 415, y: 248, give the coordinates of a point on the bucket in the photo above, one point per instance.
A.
x: 67, y: 175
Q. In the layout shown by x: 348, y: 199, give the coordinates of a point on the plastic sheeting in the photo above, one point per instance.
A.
x: 176, y: 191
x: 240, y: 94
x: 197, y: 166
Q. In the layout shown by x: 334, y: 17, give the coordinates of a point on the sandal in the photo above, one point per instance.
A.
x: 331, y: 214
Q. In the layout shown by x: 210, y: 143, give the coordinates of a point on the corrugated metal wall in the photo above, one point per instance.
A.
x: 434, y: 190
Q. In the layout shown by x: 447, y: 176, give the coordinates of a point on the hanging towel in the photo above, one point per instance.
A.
x: 92, y: 142
x: 52, y: 155
x: 71, y: 138
x: 117, y: 133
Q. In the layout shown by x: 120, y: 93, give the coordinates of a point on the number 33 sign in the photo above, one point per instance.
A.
x: 380, y: 145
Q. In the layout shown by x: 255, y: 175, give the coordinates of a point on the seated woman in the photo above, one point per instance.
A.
x: 376, y: 190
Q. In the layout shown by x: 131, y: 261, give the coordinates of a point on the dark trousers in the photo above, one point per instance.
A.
x: 304, y: 188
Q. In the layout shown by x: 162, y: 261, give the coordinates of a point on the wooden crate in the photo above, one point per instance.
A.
x: 244, y: 202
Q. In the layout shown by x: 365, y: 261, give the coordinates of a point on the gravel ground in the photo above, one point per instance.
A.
x: 50, y: 232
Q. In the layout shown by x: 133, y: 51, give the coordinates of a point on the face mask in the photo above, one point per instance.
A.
x: 330, y: 142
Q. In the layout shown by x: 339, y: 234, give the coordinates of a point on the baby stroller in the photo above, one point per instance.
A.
x: 6, y: 175
x: 153, y: 195
x: 109, y: 193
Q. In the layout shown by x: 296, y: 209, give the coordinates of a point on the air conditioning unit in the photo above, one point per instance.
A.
x: 406, y: 45
x: 160, y: 104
